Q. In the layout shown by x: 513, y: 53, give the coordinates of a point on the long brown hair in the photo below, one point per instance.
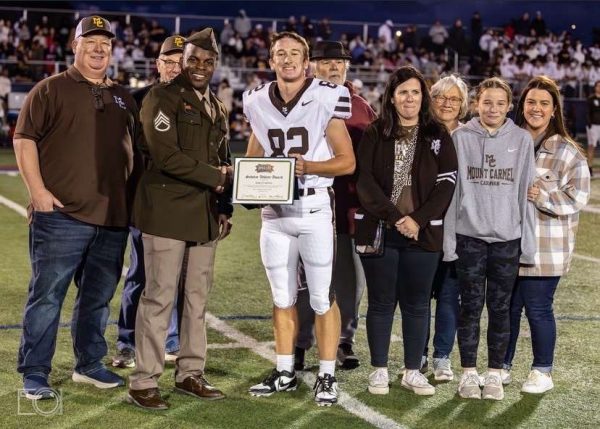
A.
x: 557, y: 122
x: 389, y: 122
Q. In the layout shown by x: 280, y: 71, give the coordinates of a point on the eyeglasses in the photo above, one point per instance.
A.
x: 453, y: 101
x: 169, y: 64
x: 98, y: 101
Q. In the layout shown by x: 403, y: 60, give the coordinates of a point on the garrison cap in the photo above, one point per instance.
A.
x: 204, y: 39
x: 94, y: 25
x: 327, y: 49
x: 172, y: 44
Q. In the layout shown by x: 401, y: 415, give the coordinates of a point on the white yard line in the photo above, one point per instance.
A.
x: 13, y: 206
x: 263, y: 349
x: 586, y: 258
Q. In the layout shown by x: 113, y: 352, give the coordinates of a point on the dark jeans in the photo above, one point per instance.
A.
x: 536, y: 295
x: 404, y: 276
x: 445, y: 292
x: 498, y: 263
x: 63, y: 249
x: 132, y: 290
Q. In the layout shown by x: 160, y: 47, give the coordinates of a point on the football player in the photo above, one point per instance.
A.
x: 303, y: 118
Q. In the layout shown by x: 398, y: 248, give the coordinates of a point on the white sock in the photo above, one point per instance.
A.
x: 285, y: 363
x: 326, y: 367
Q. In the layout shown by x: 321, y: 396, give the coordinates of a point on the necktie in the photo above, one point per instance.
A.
x: 209, y: 109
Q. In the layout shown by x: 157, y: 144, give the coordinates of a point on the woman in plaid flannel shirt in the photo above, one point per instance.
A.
x: 561, y: 189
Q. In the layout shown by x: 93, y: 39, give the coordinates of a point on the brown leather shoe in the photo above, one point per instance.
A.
x: 196, y: 385
x: 149, y: 399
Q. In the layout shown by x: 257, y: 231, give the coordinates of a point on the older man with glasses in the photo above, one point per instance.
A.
x: 74, y: 144
x: 168, y: 65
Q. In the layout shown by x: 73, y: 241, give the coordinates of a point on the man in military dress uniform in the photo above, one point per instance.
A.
x: 180, y: 203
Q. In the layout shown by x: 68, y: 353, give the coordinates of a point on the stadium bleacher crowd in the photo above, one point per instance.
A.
x: 31, y: 49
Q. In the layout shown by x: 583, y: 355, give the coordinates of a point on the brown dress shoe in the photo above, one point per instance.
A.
x: 149, y: 399
x: 196, y: 385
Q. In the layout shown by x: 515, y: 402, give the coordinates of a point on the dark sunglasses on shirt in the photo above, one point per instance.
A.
x: 98, y: 100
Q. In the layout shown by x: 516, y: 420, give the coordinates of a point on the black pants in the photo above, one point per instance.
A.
x: 404, y: 275
x: 498, y: 263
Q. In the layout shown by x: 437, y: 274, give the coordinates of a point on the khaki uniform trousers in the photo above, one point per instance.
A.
x: 163, y: 259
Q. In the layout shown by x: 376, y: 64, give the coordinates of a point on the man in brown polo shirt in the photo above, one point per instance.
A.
x: 74, y: 144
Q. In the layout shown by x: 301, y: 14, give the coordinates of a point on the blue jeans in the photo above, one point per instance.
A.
x: 445, y: 292
x: 402, y: 276
x: 536, y: 295
x: 134, y: 286
x: 63, y: 249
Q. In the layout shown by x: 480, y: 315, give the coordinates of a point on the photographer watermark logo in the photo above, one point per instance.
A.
x: 47, y: 402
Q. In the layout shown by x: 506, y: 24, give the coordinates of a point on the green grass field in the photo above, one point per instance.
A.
x: 241, y: 289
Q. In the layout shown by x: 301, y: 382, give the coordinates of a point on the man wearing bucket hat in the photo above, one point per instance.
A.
x: 330, y: 63
x: 78, y: 208
x: 180, y: 204
x: 168, y: 65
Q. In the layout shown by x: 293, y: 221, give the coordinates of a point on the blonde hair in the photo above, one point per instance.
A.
x: 290, y: 35
x: 495, y: 82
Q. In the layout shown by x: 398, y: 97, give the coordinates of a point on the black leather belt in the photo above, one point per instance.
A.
x: 305, y: 192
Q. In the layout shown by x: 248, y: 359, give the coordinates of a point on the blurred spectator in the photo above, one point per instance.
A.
x: 410, y: 37
x: 4, y: 31
x: 523, y: 25
x: 438, y: 35
x: 373, y: 96
x: 324, y: 29
x: 290, y: 25
x: 539, y: 25
x: 308, y: 29
x: 157, y: 33
x: 242, y: 24
x: 457, y: 38
x: 385, y: 35
x: 225, y: 94
x: 5, y: 84
x: 476, y: 31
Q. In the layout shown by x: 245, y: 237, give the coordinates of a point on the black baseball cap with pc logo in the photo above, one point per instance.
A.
x: 94, y: 25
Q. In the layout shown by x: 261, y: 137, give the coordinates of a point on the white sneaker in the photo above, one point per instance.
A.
x: 492, y: 387
x: 538, y: 382
x: 379, y: 382
x: 417, y: 382
x: 504, y: 375
x: 468, y: 386
x: 442, y: 370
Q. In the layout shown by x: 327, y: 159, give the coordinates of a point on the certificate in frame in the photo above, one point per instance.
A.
x: 264, y: 180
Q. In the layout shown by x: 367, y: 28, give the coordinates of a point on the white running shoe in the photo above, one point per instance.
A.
x: 442, y: 369
x: 417, y: 382
x: 492, y: 387
x: 379, y: 382
x: 538, y: 382
x: 468, y: 386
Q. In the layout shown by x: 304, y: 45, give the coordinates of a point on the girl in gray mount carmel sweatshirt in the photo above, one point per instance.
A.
x: 488, y: 228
